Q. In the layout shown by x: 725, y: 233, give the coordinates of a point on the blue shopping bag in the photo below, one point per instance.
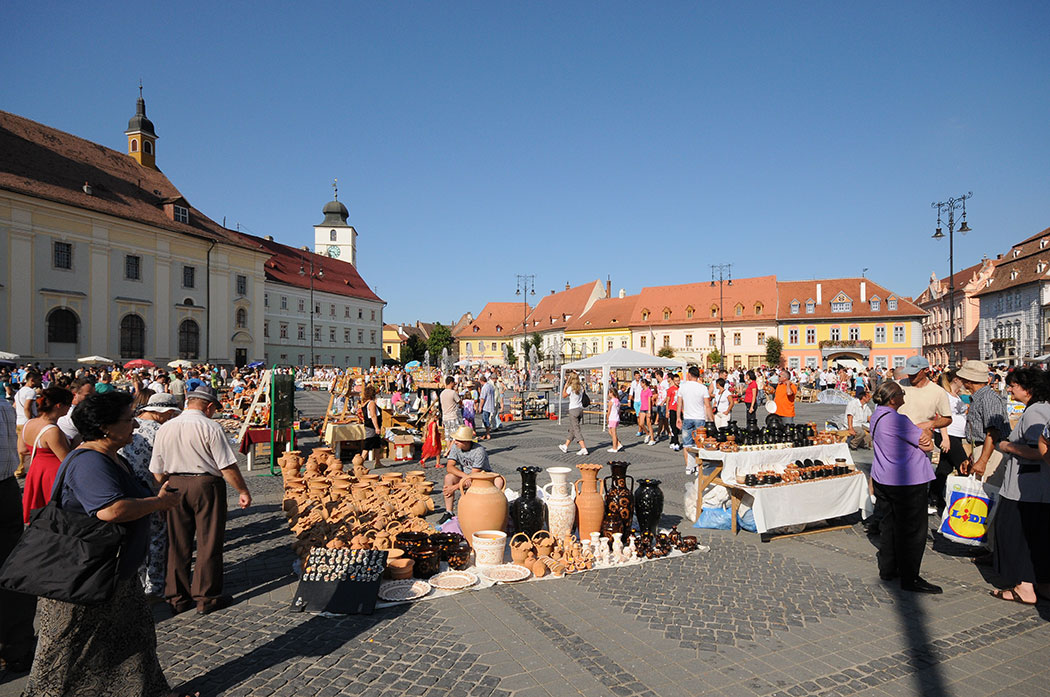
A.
x: 969, y: 506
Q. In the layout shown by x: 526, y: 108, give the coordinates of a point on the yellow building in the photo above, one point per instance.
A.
x: 604, y: 327
x: 850, y: 321
x: 482, y: 338
x: 394, y: 338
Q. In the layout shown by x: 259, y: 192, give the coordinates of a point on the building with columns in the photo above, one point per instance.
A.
x: 101, y: 254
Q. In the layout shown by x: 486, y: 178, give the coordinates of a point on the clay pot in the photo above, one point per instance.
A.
x: 590, y: 506
x: 619, y: 500
x: 391, y: 477
x: 416, y: 476
x: 559, y: 485
x: 489, y: 546
x: 400, y: 568
x: 428, y: 562
x: 483, y: 506
x: 537, y: 567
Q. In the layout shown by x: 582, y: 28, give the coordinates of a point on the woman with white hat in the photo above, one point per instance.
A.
x: 161, y: 407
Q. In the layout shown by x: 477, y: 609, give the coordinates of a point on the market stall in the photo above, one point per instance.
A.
x: 611, y: 360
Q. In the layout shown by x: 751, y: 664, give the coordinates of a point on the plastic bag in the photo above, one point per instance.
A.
x: 715, y: 496
x: 713, y: 518
x: 968, y: 510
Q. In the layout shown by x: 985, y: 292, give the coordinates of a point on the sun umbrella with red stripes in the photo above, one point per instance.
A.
x: 139, y: 363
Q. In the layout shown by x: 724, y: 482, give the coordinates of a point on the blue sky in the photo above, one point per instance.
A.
x: 574, y: 141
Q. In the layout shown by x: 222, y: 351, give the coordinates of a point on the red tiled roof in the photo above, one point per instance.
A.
x: 700, y: 298
x: 606, y: 313
x: 802, y: 291
x: 340, y: 277
x: 495, y: 319
x: 556, y: 310
x: 1020, y: 266
x: 49, y: 164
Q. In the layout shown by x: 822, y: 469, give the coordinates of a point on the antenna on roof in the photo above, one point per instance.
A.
x: 140, y: 88
x: 335, y: 188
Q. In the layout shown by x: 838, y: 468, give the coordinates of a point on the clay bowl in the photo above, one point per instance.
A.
x: 400, y: 568
x: 369, y: 478
x: 415, y: 476
x: 391, y: 477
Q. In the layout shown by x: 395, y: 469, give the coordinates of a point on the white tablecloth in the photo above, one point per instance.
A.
x: 808, y: 502
x: 754, y: 460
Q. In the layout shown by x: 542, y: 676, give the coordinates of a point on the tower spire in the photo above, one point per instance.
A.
x: 335, y: 188
x: 141, y: 136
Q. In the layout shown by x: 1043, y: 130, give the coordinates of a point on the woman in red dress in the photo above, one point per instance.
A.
x: 44, y: 440
x: 431, y: 439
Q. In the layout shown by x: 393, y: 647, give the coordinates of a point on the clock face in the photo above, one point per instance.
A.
x: 333, y: 251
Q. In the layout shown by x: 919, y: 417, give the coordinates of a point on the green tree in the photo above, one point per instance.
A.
x: 414, y: 349
x: 537, y: 341
x: 714, y: 358
x: 665, y: 352
x: 512, y: 358
x: 774, y: 347
x: 440, y: 338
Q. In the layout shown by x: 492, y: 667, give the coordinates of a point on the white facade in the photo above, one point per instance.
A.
x: 347, y: 331
x: 75, y: 282
x: 1011, y: 323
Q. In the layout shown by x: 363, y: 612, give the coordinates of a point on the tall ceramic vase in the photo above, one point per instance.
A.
x: 648, y: 505
x: 589, y: 506
x: 561, y: 510
x: 483, y: 506
x: 527, y: 511
x: 619, y: 501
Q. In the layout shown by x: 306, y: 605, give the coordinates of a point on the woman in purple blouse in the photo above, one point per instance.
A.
x: 901, y: 473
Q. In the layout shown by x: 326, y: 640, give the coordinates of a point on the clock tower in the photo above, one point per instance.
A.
x: 333, y: 236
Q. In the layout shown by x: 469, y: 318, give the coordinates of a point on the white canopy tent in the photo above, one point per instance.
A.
x: 610, y: 360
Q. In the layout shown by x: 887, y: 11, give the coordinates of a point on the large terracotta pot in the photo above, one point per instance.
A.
x: 590, y: 507
x: 483, y: 506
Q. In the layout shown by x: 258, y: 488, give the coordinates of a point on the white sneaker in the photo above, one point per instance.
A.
x: 614, y: 450
x: 931, y: 510
x: 690, y: 471
x: 564, y: 448
x: 582, y: 451
x: 646, y: 441
x: 652, y: 442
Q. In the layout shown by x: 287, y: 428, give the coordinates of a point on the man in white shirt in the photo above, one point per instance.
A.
x: 858, y: 415
x: 25, y: 409
x: 193, y: 452
x: 81, y: 388
x: 694, y: 410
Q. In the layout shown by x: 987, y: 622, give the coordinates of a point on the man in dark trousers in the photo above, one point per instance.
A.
x: 16, y: 609
x: 192, y: 452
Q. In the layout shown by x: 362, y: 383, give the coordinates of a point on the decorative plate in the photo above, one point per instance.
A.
x: 407, y: 589
x: 453, y: 580
x: 507, y: 573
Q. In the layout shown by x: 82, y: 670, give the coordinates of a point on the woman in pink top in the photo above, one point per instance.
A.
x: 645, y: 421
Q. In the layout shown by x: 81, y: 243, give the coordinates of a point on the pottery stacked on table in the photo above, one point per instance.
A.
x: 328, y: 507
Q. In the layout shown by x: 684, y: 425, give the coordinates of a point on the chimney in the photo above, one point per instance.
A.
x: 268, y: 238
x: 622, y: 294
x: 552, y: 291
x: 863, y: 291
x: 608, y: 287
x: 818, y: 293
x: 998, y: 257
x: 567, y: 286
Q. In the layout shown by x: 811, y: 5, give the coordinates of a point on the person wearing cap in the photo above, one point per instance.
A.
x: 192, y: 453
x: 986, y: 421
x: 160, y: 408
x: 925, y: 402
x: 464, y: 457
x: 858, y: 414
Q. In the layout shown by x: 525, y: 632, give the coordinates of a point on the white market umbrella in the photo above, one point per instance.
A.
x: 7, y: 356
x: 180, y: 363
x: 95, y: 360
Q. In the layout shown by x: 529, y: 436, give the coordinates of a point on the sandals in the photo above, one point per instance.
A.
x: 1000, y: 594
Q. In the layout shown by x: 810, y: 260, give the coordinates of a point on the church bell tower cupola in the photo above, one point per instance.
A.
x: 334, y: 236
x: 142, y: 139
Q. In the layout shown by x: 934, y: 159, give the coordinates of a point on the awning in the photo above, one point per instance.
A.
x: 849, y: 363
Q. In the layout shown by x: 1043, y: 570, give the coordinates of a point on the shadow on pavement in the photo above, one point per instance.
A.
x: 922, y: 654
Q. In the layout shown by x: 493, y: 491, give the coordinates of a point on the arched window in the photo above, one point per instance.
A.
x: 189, y: 339
x: 62, y: 326
x: 645, y: 315
x: 331, y: 235
x: 147, y: 147
x: 132, y: 337
x: 667, y: 313
x: 134, y: 145
x: 242, y: 318
x: 714, y: 310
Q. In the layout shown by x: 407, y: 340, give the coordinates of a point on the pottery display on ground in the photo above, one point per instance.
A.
x: 648, y: 505
x: 561, y: 509
x: 590, y: 507
x: 619, y: 501
x: 483, y: 506
x: 527, y: 512
x: 489, y: 547
x: 559, y: 485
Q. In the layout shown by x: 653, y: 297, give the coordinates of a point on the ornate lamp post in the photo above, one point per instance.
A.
x: 725, y: 275
x: 319, y: 274
x: 949, y: 207
x: 526, y: 287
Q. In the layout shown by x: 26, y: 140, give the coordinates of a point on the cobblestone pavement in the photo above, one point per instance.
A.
x: 797, y: 616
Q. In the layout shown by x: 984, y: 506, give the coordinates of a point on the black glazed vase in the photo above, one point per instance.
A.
x: 648, y: 505
x: 619, y: 501
x: 527, y: 511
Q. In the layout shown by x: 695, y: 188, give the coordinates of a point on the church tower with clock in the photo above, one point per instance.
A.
x: 334, y: 237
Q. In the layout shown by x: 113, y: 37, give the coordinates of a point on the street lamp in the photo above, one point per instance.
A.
x: 526, y: 287
x: 725, y: 272
x: 949, y: 207
x: 319, y: 274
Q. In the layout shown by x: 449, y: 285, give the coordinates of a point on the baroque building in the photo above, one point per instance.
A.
x: 101, y: 254
x: 937, y: 323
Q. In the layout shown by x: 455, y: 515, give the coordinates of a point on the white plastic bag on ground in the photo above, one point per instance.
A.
x: 715, y: 496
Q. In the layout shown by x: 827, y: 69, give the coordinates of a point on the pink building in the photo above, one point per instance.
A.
x: 936, y: 324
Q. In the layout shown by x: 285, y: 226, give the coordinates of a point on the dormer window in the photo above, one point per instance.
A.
x: 645, y: 314
x: 876, y: 304
x: 758, y: 308
x: 499, y: 329
x: 738, y: 310
x: 475, y: 328
x: 891, y: 304
x: 667, y: 313
x: 795, y: 305
x: 1041, y: 266
x: 714, y: 310
x: 689, y: 312
x: 1014, y: 274
x: 1017, y: 253
x: 811, y: 307
x: 180, y: 214
x: 1043, y: 242
x: 842, y: 303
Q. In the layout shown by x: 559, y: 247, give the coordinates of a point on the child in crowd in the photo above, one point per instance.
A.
x: 468, y: 408
x: 645, y: 421
x: 614, y: 421
x: 431, y: 439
